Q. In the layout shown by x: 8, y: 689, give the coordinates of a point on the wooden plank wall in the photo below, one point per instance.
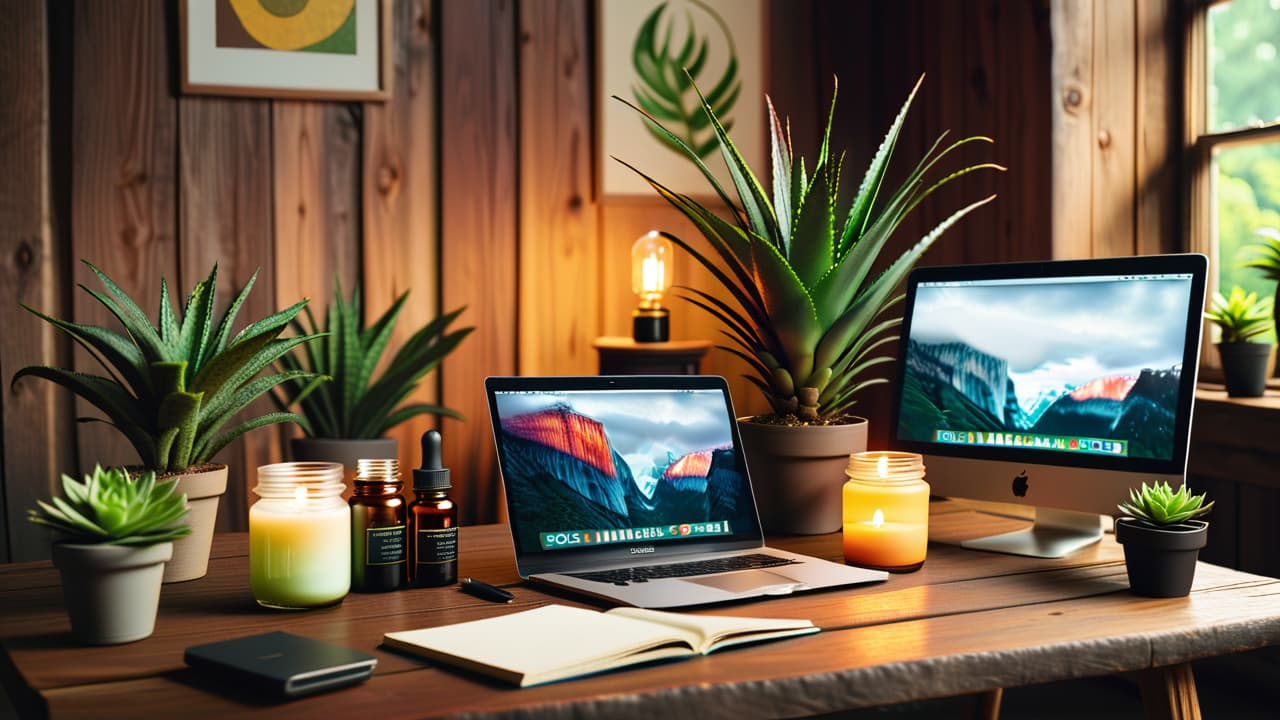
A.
x: 1117, y: 107
x: 474, y: 185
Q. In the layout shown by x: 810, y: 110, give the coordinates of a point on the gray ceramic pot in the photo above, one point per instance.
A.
x: 1244, y: 367
x: 1161, y: 562
x: 111, y: 591
x: 797, y: 473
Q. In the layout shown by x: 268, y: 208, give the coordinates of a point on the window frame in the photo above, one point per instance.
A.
x: 1200, y: 145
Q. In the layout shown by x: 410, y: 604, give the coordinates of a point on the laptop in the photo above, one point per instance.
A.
x: 634, y: 489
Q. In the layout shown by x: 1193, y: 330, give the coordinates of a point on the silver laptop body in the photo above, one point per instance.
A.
x: 612, y: 481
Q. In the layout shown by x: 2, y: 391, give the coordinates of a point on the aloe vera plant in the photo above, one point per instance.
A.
x: 1157, y: 505
x: 171, y: 388
x: 111, y: 508
x: 806, y: 314
x: 351, y: 404
x: 1240, y: 316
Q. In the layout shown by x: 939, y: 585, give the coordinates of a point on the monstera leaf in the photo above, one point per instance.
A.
x: 666, y: 75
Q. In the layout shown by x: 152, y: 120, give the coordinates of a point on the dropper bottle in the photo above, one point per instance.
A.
x: 433, y: 521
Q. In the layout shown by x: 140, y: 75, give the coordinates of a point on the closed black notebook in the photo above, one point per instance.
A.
x: 283, y: 664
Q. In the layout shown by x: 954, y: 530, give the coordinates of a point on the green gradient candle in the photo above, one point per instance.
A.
x: 299, y: 536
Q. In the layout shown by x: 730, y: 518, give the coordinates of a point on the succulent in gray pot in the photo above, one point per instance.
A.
x: 1242, y: 319
x: 116, y: 533
x: 1162, y: 538
x: 799, y: 301
x: 348, y: 408
x: 171, y: 387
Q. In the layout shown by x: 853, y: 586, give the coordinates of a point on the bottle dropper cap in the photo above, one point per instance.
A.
x: 431, y: 476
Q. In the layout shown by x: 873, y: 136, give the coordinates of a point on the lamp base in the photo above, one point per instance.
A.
x: 651, y: 325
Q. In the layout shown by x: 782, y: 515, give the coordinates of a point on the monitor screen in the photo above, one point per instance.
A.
x: 591, y: 468
x: 1057, y: 384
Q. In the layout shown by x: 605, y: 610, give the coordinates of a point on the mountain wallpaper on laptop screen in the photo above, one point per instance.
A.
x: 619, y: 460
x: 1093, y: 360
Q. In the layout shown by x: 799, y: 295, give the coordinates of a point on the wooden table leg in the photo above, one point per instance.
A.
x: 1169, y: 693
x: 986, y: 705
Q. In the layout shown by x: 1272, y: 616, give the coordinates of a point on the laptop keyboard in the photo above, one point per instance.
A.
x: 624, y: 576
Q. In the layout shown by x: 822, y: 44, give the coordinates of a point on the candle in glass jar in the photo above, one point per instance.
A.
x: 299, y: 536
x: 886, y: 511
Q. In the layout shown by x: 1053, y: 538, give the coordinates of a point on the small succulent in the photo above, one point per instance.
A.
x: 352, y: 404
x: 1241, y: 315
x: 112, y: 508
x: 1158, y: 505
x: 805, y: 310
x: 169, y: 389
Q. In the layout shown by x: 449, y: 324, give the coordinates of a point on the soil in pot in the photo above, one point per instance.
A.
x: 1161, y: 562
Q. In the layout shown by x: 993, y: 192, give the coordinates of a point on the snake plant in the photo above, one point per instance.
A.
x: 349, y: 405
x: 170, y: 389
x: 111, y: 508
x: 1157, y: 505
x: 806, y: 313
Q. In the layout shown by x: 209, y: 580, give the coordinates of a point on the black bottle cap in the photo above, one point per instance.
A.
x: 431, y: 476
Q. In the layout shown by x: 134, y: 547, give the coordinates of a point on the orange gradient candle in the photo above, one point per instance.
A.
x: 886, y: 511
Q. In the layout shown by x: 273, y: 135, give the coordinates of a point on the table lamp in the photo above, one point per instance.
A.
x: 651, y: 258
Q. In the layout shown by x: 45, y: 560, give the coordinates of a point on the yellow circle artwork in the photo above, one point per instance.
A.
x: 307, y: 24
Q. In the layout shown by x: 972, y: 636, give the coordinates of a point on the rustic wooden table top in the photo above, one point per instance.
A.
x: 968, y: 622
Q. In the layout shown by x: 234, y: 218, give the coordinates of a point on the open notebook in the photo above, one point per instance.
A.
x: 556, y: 642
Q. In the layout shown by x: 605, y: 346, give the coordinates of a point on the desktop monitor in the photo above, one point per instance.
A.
x: 1059, y: 385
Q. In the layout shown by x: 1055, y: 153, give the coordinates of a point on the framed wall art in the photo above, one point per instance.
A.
x: 320, y: 49
x: 642, y: 46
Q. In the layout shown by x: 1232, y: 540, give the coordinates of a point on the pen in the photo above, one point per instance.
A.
x: 485, y: 591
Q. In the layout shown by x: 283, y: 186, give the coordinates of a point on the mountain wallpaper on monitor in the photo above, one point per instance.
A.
x: 1085, y: 359
x: 619, y: 460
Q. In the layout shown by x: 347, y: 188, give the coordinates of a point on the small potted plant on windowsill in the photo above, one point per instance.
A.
x: 346, y: 416
x: 1240, y: 318
x: 117, y: 533
x: 1162, y: 538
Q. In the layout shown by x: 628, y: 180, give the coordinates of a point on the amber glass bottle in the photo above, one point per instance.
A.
x: 378, y: 560
x: 433, y: 521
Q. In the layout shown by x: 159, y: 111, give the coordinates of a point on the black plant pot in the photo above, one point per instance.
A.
x: 1161, y: 561
x: 1244, y: 367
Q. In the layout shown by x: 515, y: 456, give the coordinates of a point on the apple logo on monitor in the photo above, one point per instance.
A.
x: 1020, y: 484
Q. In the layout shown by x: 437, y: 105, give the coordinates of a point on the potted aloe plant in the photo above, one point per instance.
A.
x: 171, y: 387
x: 805, y: 311
x: 1266, y: 257
x: 115, y: 535
x: 345, y: 416
x: 1162, y: 538
x: 1242, y: 318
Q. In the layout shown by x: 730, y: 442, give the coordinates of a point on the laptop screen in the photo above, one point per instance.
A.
x: 638, y: 465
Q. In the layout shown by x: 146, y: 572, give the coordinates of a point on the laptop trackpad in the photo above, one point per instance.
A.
x: 748, y: 580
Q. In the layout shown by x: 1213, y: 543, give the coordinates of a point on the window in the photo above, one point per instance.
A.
x: 1234, y: 130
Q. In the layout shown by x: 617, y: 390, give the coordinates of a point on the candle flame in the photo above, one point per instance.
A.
x: 883, y: 466
x: 300, y: 496
x: 878, y: 518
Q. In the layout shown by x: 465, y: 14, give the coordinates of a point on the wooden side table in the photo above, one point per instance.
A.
x: 624, y: 356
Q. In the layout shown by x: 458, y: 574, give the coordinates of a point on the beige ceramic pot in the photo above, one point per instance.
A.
x: 797, y: 473
x: 203, y: 488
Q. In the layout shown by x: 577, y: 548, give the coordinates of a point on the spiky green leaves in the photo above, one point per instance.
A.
x: 171, y: 388
x: 1241, y: 315
x: 665, y: 77
x: 1158, y: 505
x: 349, y: 403
x: 111, y: 508
x: 802, y: 306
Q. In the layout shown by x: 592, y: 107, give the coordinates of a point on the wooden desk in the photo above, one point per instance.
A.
x: 968, y: 622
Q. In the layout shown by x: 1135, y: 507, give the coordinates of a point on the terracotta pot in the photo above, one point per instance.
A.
x: 1244, y: 367
x: 347, y: 452
x: 797, y: 473
x: 191, y: 554
x: 111, y: 591
x: 1161, y: 562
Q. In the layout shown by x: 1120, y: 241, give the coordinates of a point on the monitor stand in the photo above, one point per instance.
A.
x: 1054, y: 534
